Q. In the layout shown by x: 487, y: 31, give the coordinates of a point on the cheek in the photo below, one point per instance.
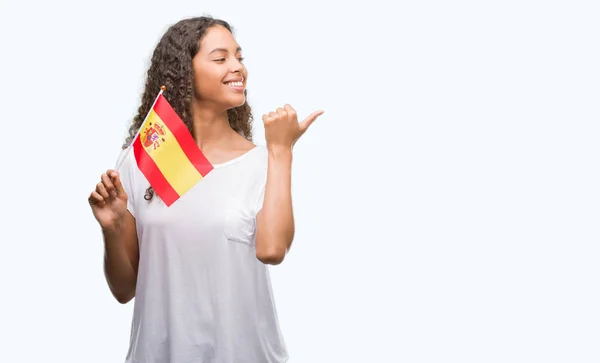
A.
x: 206, y: 83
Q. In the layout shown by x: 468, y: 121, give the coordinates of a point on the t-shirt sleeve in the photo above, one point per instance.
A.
x: 258, y: 204
x: 127, y: 175
x: 261, y: 181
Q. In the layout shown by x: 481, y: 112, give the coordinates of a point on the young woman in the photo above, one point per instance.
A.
x: 198, y: 268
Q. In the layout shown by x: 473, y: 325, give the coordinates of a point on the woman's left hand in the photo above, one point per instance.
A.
x: 282, y: 128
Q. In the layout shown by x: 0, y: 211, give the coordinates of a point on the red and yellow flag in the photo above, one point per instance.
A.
x: 167, y: 154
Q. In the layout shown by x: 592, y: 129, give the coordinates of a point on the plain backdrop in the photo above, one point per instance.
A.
x: 447, y: 202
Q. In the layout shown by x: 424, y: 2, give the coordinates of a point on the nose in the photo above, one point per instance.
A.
x: 237, y: 66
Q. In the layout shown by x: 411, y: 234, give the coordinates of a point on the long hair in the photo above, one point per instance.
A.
x: 171, y: 66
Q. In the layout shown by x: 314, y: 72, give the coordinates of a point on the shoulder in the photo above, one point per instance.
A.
x: 255, y: 164
x: 125, y: 162
x: 260, y: 157
x: 262, y: 152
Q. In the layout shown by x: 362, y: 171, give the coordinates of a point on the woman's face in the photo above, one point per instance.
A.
x: 219, y: 75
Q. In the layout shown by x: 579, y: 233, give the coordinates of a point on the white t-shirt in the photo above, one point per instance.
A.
x: 202, y: 296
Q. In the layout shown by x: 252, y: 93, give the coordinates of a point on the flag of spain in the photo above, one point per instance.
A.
x: 167, y: 154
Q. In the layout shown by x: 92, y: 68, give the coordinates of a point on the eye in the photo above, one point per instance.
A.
x: 220, y: 60
x: 241, y: 59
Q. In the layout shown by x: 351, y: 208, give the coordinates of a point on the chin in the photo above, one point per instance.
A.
x: 236, y: 102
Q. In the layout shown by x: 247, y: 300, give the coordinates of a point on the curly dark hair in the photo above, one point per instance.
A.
x: 171, y: 66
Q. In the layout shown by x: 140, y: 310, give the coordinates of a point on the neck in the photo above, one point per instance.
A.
x: 211, y: 127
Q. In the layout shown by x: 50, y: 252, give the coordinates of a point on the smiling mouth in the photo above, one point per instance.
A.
x: 235, y: 84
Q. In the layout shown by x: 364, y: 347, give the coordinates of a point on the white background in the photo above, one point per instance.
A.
x: 447, y: 202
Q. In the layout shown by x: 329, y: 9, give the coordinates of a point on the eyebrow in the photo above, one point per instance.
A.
x: 223, y: 50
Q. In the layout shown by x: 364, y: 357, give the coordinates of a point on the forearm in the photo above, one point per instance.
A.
x: 118, y: 269
x: 275, y: 230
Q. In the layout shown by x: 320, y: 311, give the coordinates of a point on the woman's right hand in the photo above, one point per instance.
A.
x: 109, y: 201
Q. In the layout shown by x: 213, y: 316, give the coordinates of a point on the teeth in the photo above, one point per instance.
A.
x: 235, y: 84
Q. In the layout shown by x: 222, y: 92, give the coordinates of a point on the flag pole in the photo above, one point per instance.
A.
x: 121, y: 159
